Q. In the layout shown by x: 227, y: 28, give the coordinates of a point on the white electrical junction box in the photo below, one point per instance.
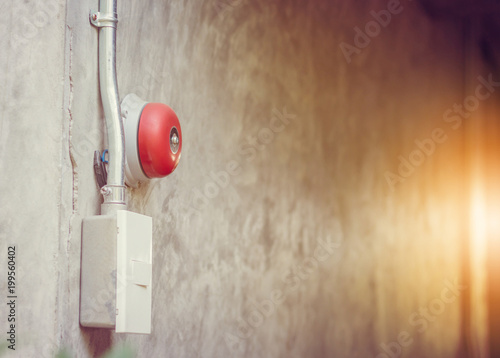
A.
x: 116, y: 272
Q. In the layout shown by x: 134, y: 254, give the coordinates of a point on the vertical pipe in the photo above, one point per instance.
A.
x: 114, y: 191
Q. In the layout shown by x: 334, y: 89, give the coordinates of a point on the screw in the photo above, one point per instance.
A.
x: 174, y: 139
x: 94, y: 17
x: 105, y: 191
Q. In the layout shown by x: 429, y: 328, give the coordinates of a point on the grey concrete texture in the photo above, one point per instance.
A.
x: 278, y: 235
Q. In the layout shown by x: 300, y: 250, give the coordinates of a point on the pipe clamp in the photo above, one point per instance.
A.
x: 99, y: 19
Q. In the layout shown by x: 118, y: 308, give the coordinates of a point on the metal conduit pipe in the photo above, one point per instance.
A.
x: 114, y: 191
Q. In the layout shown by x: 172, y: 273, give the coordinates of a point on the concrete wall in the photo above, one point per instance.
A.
x: 33, y: 152
x: 483, y: 133
x: 263, y: 85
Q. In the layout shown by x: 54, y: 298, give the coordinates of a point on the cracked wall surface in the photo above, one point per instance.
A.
x: 279, y: 234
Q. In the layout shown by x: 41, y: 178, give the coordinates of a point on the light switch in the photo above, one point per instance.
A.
x: 134, y: 272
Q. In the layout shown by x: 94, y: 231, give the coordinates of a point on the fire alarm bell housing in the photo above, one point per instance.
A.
x: 153, y: 140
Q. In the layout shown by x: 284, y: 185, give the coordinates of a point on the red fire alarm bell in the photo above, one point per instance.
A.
x: 153, y: 139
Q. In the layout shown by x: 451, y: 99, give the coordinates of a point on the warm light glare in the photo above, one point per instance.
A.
x: 478, y: 215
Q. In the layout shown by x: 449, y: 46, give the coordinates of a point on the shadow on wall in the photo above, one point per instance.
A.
x: 98, y: 339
